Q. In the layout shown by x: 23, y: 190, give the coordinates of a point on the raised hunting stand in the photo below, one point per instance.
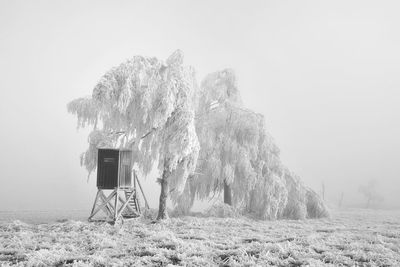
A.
x: 114, y: 172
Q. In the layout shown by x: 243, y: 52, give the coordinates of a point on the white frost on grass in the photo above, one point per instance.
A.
x: 348, y: 238
x: 222, y: 210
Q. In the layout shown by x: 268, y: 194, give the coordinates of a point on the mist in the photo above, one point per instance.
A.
x: 325, y: 75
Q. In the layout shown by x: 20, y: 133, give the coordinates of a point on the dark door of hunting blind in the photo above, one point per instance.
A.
x: 107, y: 168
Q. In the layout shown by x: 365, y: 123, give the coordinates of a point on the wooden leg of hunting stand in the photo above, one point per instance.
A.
x: 94, y: 204
x: 140, y: 186
x: 103, y: 204
x: 116, y: 206
x: 108, y: 209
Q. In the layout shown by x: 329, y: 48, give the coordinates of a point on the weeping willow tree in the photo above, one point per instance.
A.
x: 229, y: 138
x: 145, y: 105
x: 239, y: 157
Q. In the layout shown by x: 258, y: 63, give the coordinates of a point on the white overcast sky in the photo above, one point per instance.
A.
x: 324, y: 73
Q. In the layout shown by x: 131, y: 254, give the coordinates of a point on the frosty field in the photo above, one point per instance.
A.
x: 348, y: 238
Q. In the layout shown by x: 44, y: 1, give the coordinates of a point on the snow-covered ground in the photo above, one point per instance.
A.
x: 348, y: 238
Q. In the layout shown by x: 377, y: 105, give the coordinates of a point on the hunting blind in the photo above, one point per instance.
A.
x: 115, y: 172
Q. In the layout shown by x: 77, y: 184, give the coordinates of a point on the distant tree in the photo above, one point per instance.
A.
x: 147, y: 105
x: 369, y: 191
x: 323, y: 191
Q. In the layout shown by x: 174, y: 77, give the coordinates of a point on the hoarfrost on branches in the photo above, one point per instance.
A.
x: 237, y: 153
x: 228, y: 138
x: 146, y: 105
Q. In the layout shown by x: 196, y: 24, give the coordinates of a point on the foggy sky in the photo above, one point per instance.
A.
x: 325, y: 75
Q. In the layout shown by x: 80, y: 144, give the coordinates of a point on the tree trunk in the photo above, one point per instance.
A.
x: 227, y: 194
x: 162, y: 207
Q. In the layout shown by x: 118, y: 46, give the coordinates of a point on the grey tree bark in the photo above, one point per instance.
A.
x: 162, y: 208
x: 227, y: 194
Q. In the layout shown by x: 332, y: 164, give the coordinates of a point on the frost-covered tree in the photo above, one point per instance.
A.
x: 240, y: 158
x: 228, y: 137
x: 146, y: 105
x: 235, y: 147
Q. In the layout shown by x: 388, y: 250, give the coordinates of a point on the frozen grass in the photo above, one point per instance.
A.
x: 348, y: 238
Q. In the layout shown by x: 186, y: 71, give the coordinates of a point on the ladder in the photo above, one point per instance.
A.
x: 133, y: 202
